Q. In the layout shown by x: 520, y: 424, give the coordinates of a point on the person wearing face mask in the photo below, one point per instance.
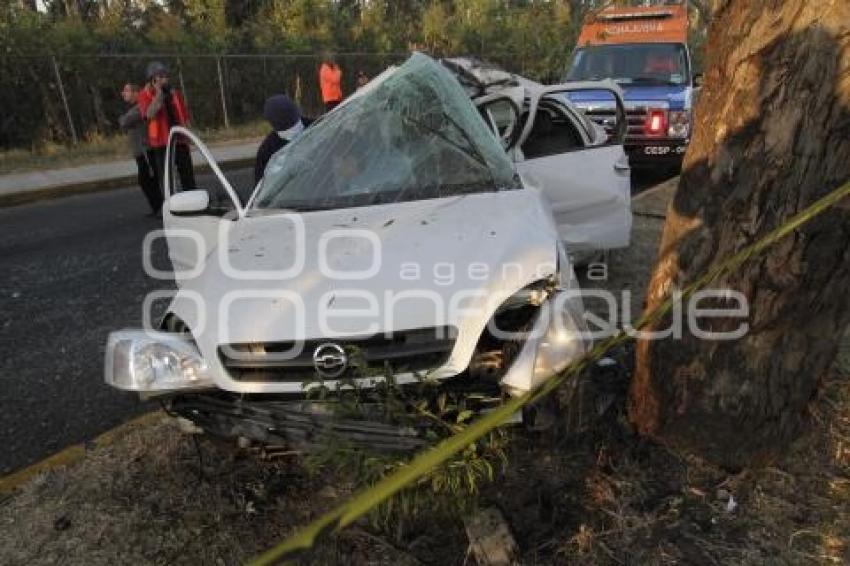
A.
x: 287, y: 124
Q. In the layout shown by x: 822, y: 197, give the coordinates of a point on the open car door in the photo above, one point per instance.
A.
x: 502, y: 115
x: 198, y: 198
x: 582, y: 170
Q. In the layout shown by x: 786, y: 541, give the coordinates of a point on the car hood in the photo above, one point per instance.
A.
x: 419, y: 264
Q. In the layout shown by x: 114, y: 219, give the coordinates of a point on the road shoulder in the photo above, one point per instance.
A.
x: 20, y: 188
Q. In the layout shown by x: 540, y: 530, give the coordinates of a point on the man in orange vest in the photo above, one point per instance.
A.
x: 330, y: 82
x: 164, y: 107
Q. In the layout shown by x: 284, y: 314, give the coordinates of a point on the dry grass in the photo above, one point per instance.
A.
x: 144, y: 500
x: 609, y: 498
x: 106, y: 148
x: 603, y: 497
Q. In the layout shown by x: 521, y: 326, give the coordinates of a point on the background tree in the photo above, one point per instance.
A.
x: 435, y: 21
x: 772, y: 135
x: 98, y: 44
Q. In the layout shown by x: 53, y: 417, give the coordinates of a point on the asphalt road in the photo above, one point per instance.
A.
x: 71, y: 272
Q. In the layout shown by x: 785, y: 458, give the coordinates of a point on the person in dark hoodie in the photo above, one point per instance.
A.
x: 287, y: 124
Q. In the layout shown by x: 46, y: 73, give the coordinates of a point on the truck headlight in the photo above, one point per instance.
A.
x: 142, y: 361
x: 680, y: 123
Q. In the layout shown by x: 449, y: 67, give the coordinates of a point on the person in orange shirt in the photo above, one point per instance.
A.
x: 330, y: 82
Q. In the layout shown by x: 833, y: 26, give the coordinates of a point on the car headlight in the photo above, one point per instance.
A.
x: 142, y: 361
x: 559, y: 337
x: 679, y: 123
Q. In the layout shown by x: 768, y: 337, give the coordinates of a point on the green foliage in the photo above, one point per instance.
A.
x: 531, y: 37
x: 449, y: 490
x: 515, y: 29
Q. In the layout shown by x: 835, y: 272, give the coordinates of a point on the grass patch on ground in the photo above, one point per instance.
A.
x: 108, y: 148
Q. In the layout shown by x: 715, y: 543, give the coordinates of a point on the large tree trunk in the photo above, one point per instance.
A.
x: 772, y: 135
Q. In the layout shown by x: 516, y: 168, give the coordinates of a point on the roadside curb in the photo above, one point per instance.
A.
x: 75, y: 453
x: 653, y: 202
x: 71, y: 189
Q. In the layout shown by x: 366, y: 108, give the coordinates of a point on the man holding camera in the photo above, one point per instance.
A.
x: 164, y: 107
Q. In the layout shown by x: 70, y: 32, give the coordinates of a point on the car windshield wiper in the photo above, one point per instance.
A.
x: 286, y: 207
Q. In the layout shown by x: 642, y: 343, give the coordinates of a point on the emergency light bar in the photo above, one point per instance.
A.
x: 635, y: 16
x: 658, y: 23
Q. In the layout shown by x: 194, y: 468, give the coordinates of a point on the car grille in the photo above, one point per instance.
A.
x: 401, y: 352
x: 607, y: 118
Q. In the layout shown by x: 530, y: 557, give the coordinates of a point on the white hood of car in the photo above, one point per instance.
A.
x: 471, y: 253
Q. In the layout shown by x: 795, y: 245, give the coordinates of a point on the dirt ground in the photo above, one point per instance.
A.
x: 154, y: 496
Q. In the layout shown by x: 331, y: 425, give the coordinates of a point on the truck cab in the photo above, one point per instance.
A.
x: 644, y: 50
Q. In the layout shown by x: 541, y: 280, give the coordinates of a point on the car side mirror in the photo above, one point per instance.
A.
x: 189, y: 202
x: 698, y: 78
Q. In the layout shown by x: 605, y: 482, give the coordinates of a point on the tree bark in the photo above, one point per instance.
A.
x: 772, y: 136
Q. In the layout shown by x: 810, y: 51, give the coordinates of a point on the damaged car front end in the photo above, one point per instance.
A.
x: 393, y: 246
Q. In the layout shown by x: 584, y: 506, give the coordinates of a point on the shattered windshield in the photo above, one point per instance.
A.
x: 414, y: 135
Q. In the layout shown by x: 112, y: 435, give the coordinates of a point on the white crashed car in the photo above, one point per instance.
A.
x: 395, y: 236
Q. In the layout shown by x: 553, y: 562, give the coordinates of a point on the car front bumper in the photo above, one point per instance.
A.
x: 296, y: 424
x: 161, y: 362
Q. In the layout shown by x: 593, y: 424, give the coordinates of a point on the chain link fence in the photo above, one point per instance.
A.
x: 70, y: 99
